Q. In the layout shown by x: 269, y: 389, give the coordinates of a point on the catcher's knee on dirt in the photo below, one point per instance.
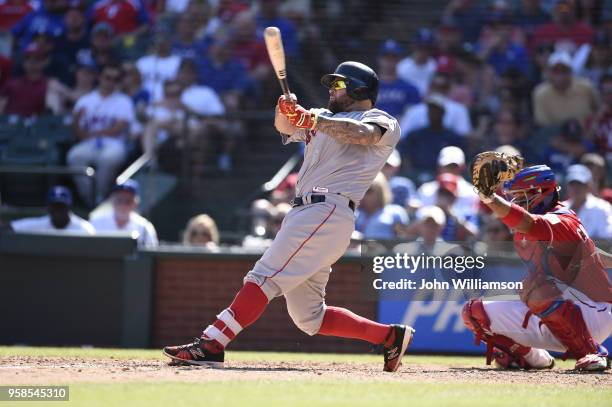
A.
x: 308, y: 316
x: 476, y: 320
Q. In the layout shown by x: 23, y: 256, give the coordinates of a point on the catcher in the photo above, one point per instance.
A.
x: 566, y: 300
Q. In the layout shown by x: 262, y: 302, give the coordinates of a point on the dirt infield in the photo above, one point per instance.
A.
x: 54, y: 370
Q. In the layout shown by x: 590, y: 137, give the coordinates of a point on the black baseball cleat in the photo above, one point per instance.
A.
x: 194, y: 354
x: 394, y: 353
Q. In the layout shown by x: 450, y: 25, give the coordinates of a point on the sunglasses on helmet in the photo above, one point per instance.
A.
x: 339, y: 84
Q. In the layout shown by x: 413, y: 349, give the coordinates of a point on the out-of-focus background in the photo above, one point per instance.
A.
x: 141, y: 175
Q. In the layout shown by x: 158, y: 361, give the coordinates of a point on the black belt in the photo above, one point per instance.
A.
x: 299, y: 201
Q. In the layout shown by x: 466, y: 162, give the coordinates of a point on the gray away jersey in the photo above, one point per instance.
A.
x: 346, y: 169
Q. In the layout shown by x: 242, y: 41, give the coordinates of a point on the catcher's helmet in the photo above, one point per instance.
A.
x: 534, y: 188
x: 361, y: 80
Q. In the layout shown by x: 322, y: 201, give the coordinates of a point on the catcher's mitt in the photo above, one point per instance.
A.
x: 490, y: 169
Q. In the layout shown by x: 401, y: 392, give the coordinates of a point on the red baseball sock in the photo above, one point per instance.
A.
x: 344, y: 323
x: 247, y: 307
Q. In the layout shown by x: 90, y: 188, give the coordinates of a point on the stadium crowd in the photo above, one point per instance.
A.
x: 526, y: 76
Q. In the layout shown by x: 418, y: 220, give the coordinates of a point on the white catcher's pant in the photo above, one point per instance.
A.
x: 298, y: 263
x: 106, y: 154
x: 507, y: 319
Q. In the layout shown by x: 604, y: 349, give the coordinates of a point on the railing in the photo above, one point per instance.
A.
x: 88, y: 172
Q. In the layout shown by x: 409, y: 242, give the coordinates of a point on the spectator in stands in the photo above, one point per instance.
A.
x: 25, y: 95
x: 595, y: 213
x: 249, y: 48
x: 101, y: 49
x: 422, y: 146
x: 12, y: 11
x: 102, y: 120
x: 468, y: 15
x: 529, y: 16
x: 61, y: 98
x: 597, y: 165
x: 420, y: 66
x: 203, y: 103
x: 123, y: 217
x: 394, y: 94
x: 166, y: 128
x: 125, y: 16
x: 224, y: 73
x: 458, y: 227
x: 600, y: 124
x: 269, y: 16
x: 198, y: 99
x: 132, y: 86
x: 451, y: 160
x: 6, y: 67
x: 75, y: 38
x: 514, y: 93
x: 202, y: 231
x: 507, y: 129
x: 596, y: 61
x: 564, y: 31
x: 377, y: 217
x: 59, y: 218
x: 207, y: 24
x: 402, y: 188
x: 456, y: 116
x: 265, y: 227
x: 474, y: 80
x: 55, y: 65
x: 430, y: 221
x: 563, y: 96
x: 49, y: 16
x: 499, y: 49
x: 185, y: 44
x: 566, y: 147
x: 448, y: 39
x: 160, y: 66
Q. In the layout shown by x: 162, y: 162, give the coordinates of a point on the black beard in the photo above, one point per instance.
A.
x: 336, y: 106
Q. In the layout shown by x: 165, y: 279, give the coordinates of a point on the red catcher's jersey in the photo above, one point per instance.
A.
x: 559, y: 246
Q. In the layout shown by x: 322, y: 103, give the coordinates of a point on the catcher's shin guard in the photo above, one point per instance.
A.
x: 564, y: 319
x: 499, y: 347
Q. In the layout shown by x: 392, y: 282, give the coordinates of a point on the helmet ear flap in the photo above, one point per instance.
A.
x: 360, y: 93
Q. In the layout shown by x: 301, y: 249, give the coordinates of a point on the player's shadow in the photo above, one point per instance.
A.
x: 266, y: 369
x: 242, y: 368
x: 481, y: 369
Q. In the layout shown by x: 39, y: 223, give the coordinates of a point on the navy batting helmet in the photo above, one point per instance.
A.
x: 361, y: 80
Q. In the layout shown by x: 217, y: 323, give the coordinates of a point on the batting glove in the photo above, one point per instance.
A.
x: 287, y: 105
x: 302, y: 118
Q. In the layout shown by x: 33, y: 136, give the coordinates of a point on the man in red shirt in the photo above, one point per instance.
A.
x: 25, y: 95
x: 11, y: 11
x: 125, y: 16
x: 564, y: 31
x: 250, y: 50
x: 566, y: 299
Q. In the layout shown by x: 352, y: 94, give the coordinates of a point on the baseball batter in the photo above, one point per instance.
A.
x: 566, y: 301
x: 347, y: 144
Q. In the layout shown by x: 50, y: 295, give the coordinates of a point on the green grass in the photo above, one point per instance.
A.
x: 320, y: 391
x: 266, y: 393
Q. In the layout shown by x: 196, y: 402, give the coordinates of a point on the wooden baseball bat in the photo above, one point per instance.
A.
x: 276, y: 52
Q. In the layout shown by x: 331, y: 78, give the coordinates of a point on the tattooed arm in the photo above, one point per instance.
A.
x: 350, y: 131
